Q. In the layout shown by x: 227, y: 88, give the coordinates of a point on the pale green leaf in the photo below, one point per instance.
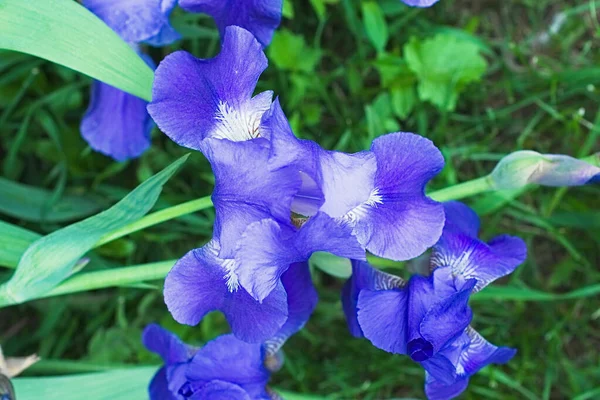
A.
x: 65, y: 32
x: 444, y: 65
x: 404, y: 99
x: 51, y: 259
x: 14, y: 241
x: 375, y: 25
x: 126, y: 384
x: 36, y: 205
x: 331, y: 264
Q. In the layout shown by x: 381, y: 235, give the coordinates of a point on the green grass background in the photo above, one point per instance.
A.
x: 539, y: 92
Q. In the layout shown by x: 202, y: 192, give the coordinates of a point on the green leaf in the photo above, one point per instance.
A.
x: 290, y: 52
x: 14, y: 241
x: 34, y: 204
x: 375, y: 25
x: 332, y: 265
x: 65, y: 32
x: 126, y: 384
x: 51, y: 259
x: 527, y: 294
x: 404, y: 99
x: 444, y: 65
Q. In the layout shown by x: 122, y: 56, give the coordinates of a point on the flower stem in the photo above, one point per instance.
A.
x: 462, y: 190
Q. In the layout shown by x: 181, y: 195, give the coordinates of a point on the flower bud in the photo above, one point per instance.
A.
x: 521, y: 168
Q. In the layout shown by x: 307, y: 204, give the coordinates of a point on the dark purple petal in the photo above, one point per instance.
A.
x: 166, y: 344
x: 116, y: 123
x: 401, y: 223
x: 193, y: 99
x: 382, y: 315
x: 137, y: 20
x: 231, y: 360
x: 246, y: 191
x: 420, y: 3
x: 437, y: 390
x: 447, y: 319
x: 364, y: 277
x: 302, y: 299
x: 468, y: 257
x: 159, y: 387
x: 221, y: 390
x: 201, y: 282
x: 261, y: 17
x: 441, y: 368
x: 461, y: 218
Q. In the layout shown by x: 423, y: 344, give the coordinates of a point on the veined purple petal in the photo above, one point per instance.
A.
x: 468, y: 257
x: 267, y: 249
x: 401, y: 223
x: 302, y: 299
x: 470, y: 353
x: 246, y: 191
x: 261, y: 17
x: 193, y: 98
x: 201, y: 282
x: 137, y: 21
x: 159, y: 387
x: 221, y: 390
x: 166, y: 344
x: 420, y: 3
x: 229, y: 359
x: 116, y: 123
x: 364, y: 277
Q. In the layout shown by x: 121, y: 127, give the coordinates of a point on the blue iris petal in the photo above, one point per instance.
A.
x: 260, y: 17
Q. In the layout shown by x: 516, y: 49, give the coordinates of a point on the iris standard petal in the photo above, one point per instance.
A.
x: 137, y: 21
x: 116, y: 123
x: 166, y: 344
x: 159, y: 387
x: 201, y: 282
x: 364, y: 276
x: 193, y: 98
x: 403, y: 222
x: 261, y: 17
x: 229, y: 359
x: 468, y: 257
x: 302, y: 299
x: 245, y: 190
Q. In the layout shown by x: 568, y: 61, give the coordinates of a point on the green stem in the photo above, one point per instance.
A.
x: 113, y: 277
x: 158, y: 217
x: 462, y: 190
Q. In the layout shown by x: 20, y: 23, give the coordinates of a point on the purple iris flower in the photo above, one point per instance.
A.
x: 379, y: 194
x: 420, y: 3
x: 194, y: 99
x: 260, y: 17
x: 116, y: 123
x: 428, y: 317
x: 225, y: 368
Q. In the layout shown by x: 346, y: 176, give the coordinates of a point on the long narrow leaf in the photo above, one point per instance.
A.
x: 14, y: 241
x: 50, y: 260
x: 65, y: 32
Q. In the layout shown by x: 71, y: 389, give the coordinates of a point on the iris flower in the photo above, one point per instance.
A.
x: 428, y: 318
x: 420, y: 3
x: 116, y: 123
x: 225, y: 368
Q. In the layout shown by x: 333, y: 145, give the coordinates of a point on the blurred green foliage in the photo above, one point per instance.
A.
x: 479, y: 78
